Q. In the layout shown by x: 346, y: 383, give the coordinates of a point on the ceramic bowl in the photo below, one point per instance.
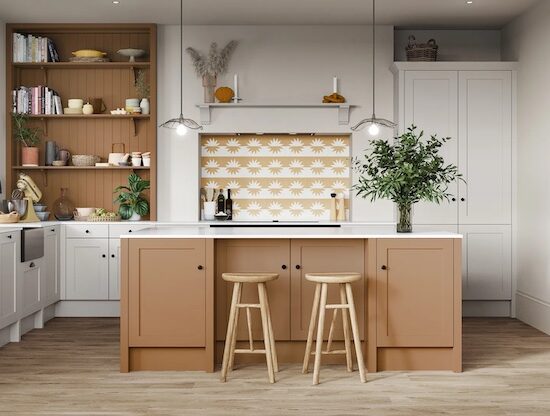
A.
x: 84, y: 212
x: 59, y: 163
x: 43, y: 215
x: 131, y: 53
x: 40, y: 208
x: 68, y: 110
x: 221, y: 216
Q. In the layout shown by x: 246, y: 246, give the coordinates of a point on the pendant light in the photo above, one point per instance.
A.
x: 181, y: 124
x: 373, y: 123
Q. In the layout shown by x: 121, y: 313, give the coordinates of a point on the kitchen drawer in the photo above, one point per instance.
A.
x: 116, y: 230
x: 52, y: 230
x: 87, y: 230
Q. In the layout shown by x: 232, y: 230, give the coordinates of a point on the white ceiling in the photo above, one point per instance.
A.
x: 401, y: 13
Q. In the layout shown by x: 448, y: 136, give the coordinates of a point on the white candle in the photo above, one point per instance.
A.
x: 236, y: 85
x: 335, y: 85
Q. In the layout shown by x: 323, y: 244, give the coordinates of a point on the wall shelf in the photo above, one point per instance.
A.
x: 80, y: 65
x: 88, y: 116
x: 206, y: 109
x: 81, y: 167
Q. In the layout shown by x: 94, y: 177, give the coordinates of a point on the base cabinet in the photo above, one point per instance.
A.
x: 114, y: 269
x: 87, y: 269
x: 9, y: 259
x: 31, y: 278
x: 51, y: 288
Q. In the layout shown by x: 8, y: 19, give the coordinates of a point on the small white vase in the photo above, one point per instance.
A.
x: 144, y: 105
x: 135, y: 217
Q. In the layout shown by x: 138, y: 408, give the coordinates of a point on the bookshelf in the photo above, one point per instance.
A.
x: 112, y: 81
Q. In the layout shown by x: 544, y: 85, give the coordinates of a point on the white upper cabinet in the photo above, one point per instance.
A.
x: 485, y: 147
x: 431, y: 104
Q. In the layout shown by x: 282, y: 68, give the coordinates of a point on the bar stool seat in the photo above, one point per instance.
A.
x: 260, y: 279
x: 319, y: 308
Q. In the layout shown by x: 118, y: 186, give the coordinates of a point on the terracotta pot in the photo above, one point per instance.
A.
x: 209, y: 84
x: 29, y: 156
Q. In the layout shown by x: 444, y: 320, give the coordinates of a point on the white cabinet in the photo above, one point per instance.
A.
x: 485, y: 147
x: 486, y: 262
x: 9, y: 259
x: 30, y: 277
x: 114, y: 269
x: 51, y: 272
x: 87, y: 269
x: 431, y: 104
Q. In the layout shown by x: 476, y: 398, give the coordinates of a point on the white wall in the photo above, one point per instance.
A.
x: 526, y: 40
x: 454, y: 45
x: 275, y: 64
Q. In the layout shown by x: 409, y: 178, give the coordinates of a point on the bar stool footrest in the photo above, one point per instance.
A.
x: 243, y: 351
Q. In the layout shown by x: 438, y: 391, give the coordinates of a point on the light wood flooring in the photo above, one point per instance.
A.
x: 71, y: 368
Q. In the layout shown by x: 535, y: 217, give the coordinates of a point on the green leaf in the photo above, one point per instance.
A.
x: 125, y: 211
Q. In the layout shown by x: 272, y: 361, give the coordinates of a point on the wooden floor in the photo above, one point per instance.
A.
x: 71, y: 368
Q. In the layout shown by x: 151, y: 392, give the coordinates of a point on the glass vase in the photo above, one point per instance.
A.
x: 63, y: 207
x: 404, y: 218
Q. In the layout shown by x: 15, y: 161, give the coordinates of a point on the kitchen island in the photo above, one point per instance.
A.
x: 174, y: 304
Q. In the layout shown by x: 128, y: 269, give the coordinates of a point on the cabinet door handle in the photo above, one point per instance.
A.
x: 384, y: 267
x: 462, y: 199
x: 129, y: 231
x: 87, y: 231
x: 112, y: 256
x: 31, y: 264
x: 453, y: 199
x: 103, y: 255
x: 9, y: 236
x: 200, y: 267
x: 53, y: 230
x: 298, y: 267
x: 283, y: 267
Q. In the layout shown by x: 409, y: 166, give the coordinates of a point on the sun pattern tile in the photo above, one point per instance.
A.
x: 284, y: 177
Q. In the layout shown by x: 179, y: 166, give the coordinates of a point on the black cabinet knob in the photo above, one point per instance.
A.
x: 129, y: 231
x: 200, y: 267
x: 87, y: 231
x: 462, y: 199
x: 9, y: 236
x: 103, y: 255
x: 298, y: 267
x: 283, y: 267
x: 112, y: 256
x: 453, y: 199
x: 32, y: 264
x: 53, y: 230
x: 384, y: 267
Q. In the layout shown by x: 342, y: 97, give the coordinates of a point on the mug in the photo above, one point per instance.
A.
x: 98, y: 104
x: 63, y: 155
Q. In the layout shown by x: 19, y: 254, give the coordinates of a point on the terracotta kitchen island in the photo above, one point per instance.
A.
x: 174, y: 304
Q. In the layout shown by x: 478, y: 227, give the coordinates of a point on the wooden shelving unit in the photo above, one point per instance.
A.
x: 87, y: 134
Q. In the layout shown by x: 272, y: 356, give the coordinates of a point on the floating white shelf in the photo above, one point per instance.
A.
x: 343, y: 109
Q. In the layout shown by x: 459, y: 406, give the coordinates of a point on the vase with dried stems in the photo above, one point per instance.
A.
x: 208, y: 67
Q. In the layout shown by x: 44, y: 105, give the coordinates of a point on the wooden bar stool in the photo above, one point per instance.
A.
x: 231, y: 338
x: 319, y: 307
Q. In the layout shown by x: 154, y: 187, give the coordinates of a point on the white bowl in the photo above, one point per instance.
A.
x: 43, y: 215
x: 131, y: 53
x: 84, y: 212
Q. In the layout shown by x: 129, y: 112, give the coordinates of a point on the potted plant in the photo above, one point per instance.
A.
x: 406, y: 172
x: 29, y: 137
x: 133, y: 204
x: 209, y: 67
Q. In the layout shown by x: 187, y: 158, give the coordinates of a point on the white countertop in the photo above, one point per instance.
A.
x: 280, y: 231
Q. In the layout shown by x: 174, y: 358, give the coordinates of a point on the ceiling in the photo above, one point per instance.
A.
x: 400, y: 13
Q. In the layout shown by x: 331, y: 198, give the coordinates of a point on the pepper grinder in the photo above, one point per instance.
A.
x: 333, y: 207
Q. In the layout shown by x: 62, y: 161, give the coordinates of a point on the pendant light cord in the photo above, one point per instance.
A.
x: 181, y: 58
x: 373, y: 57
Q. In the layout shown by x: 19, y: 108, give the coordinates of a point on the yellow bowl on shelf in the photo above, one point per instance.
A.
x: 89, y: 53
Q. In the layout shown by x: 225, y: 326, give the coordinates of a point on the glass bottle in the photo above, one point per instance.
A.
x: 229, y: 205
x: 63, y: 207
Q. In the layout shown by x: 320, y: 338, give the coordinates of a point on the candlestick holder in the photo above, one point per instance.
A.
x: 236, y: 100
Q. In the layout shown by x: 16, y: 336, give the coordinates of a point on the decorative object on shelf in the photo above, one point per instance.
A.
x: 236, y: 97
x: 43, y: 215
x: 84, y: 59
x: 209, y: 67
x: 142, y: 86
x: 421, y: 52
x: 51, y: 152
x: 131, y: 105
x: 181, y: 124
x: 87, y: 109
x: 224, y: 94
x: 85, y: 160
x: 209, y: 210
x: 75, y: 103
x: 133, y: 204
x: 115, y: 157
x: 59, y: 163
x: 146, y: 156
x: 63, y: 207
x: 89, y: 53
x: 29, y: 137
x: 136, y: 158
x: 406, y: 172
x: 44, y: 49
x: 131, y: 53
x: 144, y: 105
x: 38, y: 100
x: 98, y: 105
x: 374, y: 122
x: 64, y: 156
x: 334, y: 98
x: 119, y: 112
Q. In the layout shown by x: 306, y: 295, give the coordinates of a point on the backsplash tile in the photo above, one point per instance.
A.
x: 284, y: 177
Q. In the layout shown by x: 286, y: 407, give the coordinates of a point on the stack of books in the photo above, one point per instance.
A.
x: 29, y: 48
x: 36, y: 100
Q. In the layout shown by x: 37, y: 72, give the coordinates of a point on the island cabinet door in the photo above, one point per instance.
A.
x: 321, y: 256
x: 250, y: 255
x: 415, y: 292
x: 167, y: 293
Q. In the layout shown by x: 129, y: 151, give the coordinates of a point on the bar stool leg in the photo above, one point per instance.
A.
x: 345, y: 324
x: 270, y: 327
x: 265, y: 327
x: 356, y: 337
x: 312, y: 321
x: 235, y: 325
x: 230, y: 330
x: 320, y: 330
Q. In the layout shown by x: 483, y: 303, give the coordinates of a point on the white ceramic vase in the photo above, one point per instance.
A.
x: 135, y: 217
x: 144, y: 105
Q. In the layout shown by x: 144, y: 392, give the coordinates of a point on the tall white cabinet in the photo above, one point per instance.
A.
x: 473, y: 104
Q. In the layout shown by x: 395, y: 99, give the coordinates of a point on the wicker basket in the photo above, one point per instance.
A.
x: 422, y: 52
x: 85, y: 160
x: 9, y: 218
x: 92, y: 218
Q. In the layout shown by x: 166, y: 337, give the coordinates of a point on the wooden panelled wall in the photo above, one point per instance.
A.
x: 113, y: 82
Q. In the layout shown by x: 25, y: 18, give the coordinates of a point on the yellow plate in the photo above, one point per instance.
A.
x: 89, y: 53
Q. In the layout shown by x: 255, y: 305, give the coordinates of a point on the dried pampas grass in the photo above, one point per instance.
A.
x: 216, y: 62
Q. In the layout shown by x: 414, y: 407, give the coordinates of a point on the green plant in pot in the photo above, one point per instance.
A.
x: 133, y: 204
x: 29, y: 137
x: 406, y: 172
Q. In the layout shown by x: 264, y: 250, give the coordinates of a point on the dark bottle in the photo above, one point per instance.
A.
x: 229, y: 205
x: 221, y: 202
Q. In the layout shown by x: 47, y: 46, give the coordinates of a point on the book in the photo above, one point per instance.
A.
x: 30, y: 48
